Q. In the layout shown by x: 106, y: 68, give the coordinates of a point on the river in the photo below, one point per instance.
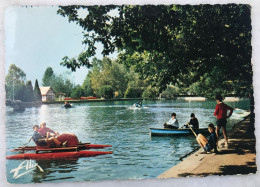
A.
x: 136, y: 155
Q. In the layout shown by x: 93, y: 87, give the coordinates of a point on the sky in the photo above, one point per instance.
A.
x: 37, y: 38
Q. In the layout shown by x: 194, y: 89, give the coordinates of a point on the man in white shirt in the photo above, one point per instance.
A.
x: 172, y: 123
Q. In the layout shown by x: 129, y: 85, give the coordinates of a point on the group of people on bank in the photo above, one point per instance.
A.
x: 44, y: 136
x: 221, y: 110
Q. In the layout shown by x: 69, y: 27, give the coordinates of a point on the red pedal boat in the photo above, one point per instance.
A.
x: 74, y: 149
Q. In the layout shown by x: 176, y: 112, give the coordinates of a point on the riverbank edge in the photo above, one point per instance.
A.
x: 39, y: 103
x: 238, y: 159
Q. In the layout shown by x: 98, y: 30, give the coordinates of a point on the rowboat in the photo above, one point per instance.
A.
x: 176, y: 132
x: 74, y: 149
x: 67, y: 106
x: 137, y: 107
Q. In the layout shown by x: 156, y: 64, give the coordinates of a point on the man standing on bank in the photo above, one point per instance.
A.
x: 221, y: 114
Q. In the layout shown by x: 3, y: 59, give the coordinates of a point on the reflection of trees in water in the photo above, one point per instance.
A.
x: 50, y: 167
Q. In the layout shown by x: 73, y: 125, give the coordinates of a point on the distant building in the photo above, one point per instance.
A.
x: 60, y: 96
x: 47, y: 94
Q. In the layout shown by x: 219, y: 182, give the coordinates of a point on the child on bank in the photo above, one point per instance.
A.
x: 210, y: 144
x: 221, y: 114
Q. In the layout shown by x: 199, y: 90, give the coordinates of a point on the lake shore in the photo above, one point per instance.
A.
x: 39, y: 103
x: 238, y: 159
x: 190, y: 98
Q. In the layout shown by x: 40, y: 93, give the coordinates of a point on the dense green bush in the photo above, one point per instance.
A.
x: 106, y: 91
x: 150, y: 93
x: 170, y: 92
x: 133, y: 92
x: 77, y: 92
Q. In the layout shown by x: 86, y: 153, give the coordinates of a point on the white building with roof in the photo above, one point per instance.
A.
x: 47, y: 93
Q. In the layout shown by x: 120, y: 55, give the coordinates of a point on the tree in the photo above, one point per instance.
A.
x: 136, y: 85
x: 150, y: 93
x: 14, y: 82
x: 170, y: 92
x: 37, y: 91
x: 15, y: 74
x: 108, y: 72
x: 133, y: 92
x: 68, y: 87
x: 28, y: 92
x: 59, y: 83
x: 86, y: 86
x: 116, y: 76
x: 77, y: 92
x: 183, y: 43
x: 48, y: 77
x: 194, y: 89
x: 95, y: 77
x: 106, y: 91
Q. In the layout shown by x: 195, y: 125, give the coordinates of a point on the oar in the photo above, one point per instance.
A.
x: 24, y: 146
x: 192, y: 130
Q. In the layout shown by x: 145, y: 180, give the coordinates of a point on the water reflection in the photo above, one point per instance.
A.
x: 54, y: 168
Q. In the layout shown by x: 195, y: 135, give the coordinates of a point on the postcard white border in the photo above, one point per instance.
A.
x: 246, y: 180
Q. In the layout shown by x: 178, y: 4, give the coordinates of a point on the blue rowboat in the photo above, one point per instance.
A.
x: 176, y: 132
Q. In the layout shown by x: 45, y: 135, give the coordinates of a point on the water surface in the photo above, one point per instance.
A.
x: 136, y: 155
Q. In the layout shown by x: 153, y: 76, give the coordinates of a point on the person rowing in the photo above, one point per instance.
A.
x: 67, y: 104
x: 138, y: 104
x: 194, y: 123
x: 172, y: 123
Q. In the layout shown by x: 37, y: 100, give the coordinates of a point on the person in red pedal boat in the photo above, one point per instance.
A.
x: 46, y: 132
x: 41, y: 141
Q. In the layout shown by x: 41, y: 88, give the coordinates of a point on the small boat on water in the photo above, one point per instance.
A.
x: 74, y: 149
x: 137, y: 108
x: 18, y: 108
x: 176, y: 132
x: 138, y: 105
x: 67, y: 106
